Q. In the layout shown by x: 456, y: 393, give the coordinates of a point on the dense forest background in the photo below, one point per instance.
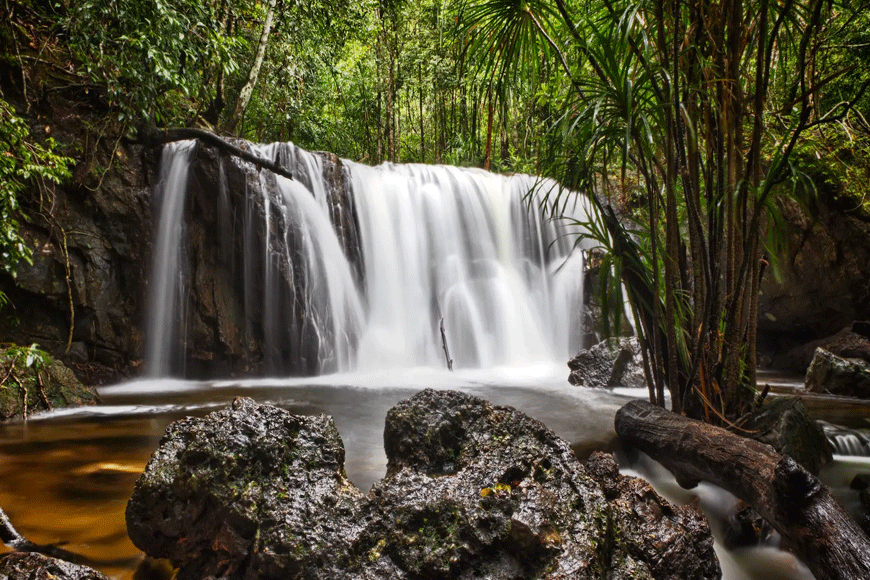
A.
x: 694, y: 121
x: 373, y: 80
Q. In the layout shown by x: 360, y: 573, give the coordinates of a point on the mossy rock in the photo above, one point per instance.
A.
x: 44, y: 385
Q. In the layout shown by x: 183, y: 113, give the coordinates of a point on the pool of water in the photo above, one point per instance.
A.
x: 66, y: 476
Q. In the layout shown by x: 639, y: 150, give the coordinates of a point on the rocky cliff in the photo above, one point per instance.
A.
x: 84, y: 299
x: 823, y: 280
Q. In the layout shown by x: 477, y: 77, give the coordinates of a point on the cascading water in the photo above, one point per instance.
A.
x: 350, y: 266
x: 463, y: 245
x: 165, y: 305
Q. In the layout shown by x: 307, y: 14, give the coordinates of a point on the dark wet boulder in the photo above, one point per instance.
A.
x: 249, y: 491
x: 32, y: 566
x: 472, y: 490
x: 610, y: 363
x: 658, y: 538
x: 784, y: 424
x: 829, y: 373
x: 850, y: 342
x: 473, y: 487
x: 504, y: 497
x: 34, y: 381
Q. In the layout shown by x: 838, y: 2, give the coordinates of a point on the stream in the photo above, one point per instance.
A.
x: 65, y: 476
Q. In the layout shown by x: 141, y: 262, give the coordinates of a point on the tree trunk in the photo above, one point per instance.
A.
x: 248, y: 87
x: 422, y: 134
x: 488, y: 154
x: 792, y: 500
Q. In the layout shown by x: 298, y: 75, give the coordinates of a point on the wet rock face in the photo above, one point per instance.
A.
x: 226, y: 224
x: 248, y: 491
x: 25, y: 393
x: 824, y: 278
x: 593, y: 307
x: 31, y: 566
x: 610, y: 363
x: 829, y: 373
x: 98, y: 229
x: 784, y: 424
x: 471, y: 491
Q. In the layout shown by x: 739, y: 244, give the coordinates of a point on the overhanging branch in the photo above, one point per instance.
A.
x: 155, y: 137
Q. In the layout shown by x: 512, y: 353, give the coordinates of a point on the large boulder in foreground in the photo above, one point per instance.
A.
x: 471, y: 491
x: 249, y: 490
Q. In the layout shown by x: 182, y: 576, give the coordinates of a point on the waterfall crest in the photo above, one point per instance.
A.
x: 354, y: 267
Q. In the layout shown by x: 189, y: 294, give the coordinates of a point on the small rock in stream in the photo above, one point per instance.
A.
x: 472, y: 490
x: 829, y: 373
x: 32, y: 566
x: 615, y: 362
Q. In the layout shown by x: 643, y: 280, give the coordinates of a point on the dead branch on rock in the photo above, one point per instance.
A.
x: 155, y: 137
x: 444, y: 346
x: 792, y: 500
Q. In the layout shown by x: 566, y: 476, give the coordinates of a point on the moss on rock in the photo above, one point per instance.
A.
x: 32, y: 381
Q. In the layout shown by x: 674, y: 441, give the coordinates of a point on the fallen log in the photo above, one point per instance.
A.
x: 792, y: 500
x: 154, y: 137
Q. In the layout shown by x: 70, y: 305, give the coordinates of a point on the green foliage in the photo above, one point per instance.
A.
x: 31, y: 380
x: 29, y: 357
x: 149, y: 54
x: 690, y: 114
x: 838, y: 159
x: 23, y: 161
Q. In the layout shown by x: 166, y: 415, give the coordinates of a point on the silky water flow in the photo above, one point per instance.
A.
x: 353, y: 274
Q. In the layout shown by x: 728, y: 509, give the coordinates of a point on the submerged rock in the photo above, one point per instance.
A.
x: 610, y: 363
x: 32, y: 566
x: 32, y: 385
x: 746, y: 528
x: 832, y: 374
x: 471, y: 491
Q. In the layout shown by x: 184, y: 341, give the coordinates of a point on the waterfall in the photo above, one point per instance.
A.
x: 846, y: 441
x: 166, y: 305
x: 354, y: 267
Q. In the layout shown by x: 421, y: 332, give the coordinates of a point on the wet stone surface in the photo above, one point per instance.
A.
x: 30, y: 566
x: 832, y: 374
x: 471, y: 491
